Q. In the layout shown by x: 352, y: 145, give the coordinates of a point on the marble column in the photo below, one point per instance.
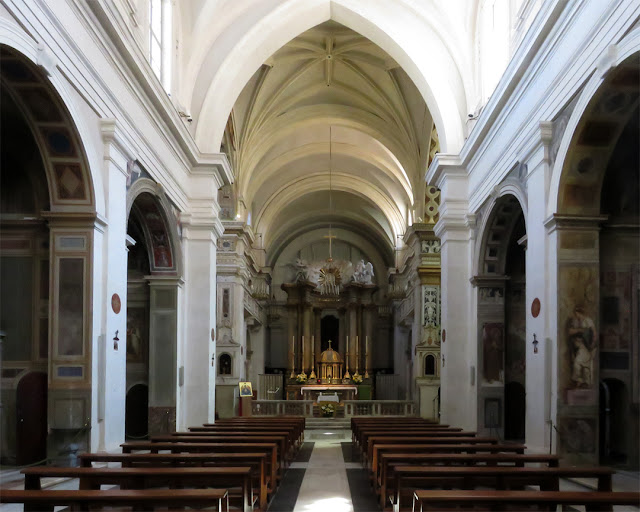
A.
x: 352, y: 316
x: 368, y: 342
x: 307, y: 315
x: 317, y: 329
x: 342, y: 333
x: 292, y: 310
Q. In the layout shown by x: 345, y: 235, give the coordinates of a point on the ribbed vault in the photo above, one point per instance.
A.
x: 329, y: 110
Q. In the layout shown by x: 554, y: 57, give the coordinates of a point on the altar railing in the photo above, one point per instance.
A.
x: 351, y: 408
x: 282, y: 408
x: 379, y: 408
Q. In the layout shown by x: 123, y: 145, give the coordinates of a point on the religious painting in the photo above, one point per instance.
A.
x: 493, y: 353
x: 136, y: 333
x: 245, y: 389
x: 70, y: 307
x: 579, y: 342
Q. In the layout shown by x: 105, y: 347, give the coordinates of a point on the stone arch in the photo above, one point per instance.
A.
x: 600, y: 114
x: 501, y: 318
x: 497, y: 229
x: 395, y: 32
x: 147, y: 200
x: 65, y: 161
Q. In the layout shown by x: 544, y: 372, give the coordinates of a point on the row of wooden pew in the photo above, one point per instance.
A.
x: 234, y: 464
x: 418, y: 465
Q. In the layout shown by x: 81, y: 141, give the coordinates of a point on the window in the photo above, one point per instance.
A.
x: 160, y: 40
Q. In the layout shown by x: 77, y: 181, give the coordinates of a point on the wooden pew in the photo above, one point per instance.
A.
x: 387, y: 460
x: 365, y: 435
x: 468, y: 500
x: 257, y: 461
x: 408, y: 479
x: 270, y: 448
x: 358, y: 426
x: 280, y: 442
x: 365, y: 432
x: 44, y: 501
x: 295, y: 437
x: 454, y: 448
x: 482, y: 442
x: 297, y: 423
x: 282, y: 438
x: 143, y: 478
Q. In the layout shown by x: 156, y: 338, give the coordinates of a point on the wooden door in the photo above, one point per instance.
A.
x: 31, y: 415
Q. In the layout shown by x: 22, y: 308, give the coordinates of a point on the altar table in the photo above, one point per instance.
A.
x: 345, y: 392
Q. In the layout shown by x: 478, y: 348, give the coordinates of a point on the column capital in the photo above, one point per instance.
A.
x: 562, y: 222
x: 198, y: 222
x: 164, y: 280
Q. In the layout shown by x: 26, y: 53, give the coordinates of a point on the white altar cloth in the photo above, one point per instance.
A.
x: 329, y: 388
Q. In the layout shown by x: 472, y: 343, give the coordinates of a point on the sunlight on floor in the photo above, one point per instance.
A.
x: 333, y: 504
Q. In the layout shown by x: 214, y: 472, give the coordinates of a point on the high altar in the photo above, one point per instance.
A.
x: 322, y: 314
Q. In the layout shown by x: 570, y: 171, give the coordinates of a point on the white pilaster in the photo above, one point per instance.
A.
x: 538, y: 371
x: 110, y: 380
x: 197, y: 352
x: 455, y: 228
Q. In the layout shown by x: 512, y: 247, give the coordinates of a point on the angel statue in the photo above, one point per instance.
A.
x: 368, y: 273
x: 301, y: 269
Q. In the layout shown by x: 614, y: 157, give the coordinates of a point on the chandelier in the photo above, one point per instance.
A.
x: 330, y: 279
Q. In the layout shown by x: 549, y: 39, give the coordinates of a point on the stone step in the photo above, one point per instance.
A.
x: 327, y: 423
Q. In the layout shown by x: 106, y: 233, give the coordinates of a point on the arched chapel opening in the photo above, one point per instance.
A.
x: 598, y: 226
x: 501, y: 288
x: 47, y: 220
x: 152, y: 309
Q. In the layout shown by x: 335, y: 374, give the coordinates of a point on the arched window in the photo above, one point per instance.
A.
x: 160, y: 40
x: 430, y: 365
x: 224, y: 365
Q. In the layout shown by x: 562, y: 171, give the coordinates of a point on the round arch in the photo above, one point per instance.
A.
x: 43, y: 96
x: 624, y: 52
x: 160, y: 226
x: 491, y: 248
x: 436, y: 74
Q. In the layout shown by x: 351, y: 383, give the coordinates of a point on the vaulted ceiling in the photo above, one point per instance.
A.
x: 330, y: 100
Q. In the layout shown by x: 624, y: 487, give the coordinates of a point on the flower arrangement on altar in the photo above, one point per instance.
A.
x: 328, y: 409
x: 301, y: 378
x: 356, y: 378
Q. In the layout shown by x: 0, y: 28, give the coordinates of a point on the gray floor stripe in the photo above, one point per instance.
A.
x: 287, y: 493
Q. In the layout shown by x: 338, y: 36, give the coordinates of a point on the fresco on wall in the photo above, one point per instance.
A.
x: 136, y: 333
x: 578, y: 435
x: 493, y: 353
x: 579, y: 342
x: 515, y: 356
x: 70, y: 306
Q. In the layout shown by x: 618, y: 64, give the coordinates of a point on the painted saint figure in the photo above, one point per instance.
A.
x: 582, y: 343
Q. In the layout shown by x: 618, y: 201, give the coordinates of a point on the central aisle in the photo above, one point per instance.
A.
x: 325, y: 486
x: 325, y: 478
